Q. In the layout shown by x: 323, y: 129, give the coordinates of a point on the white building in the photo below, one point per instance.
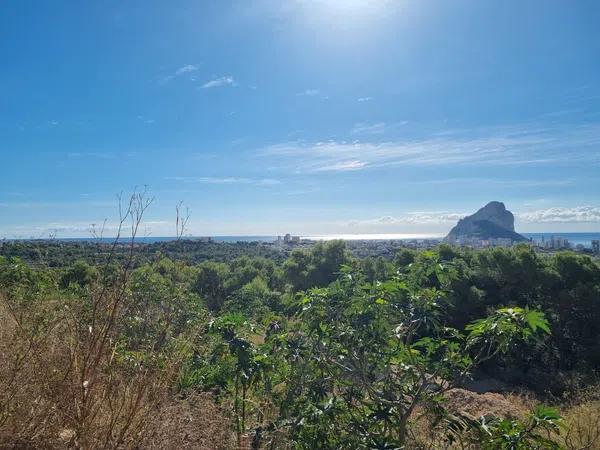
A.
x: 557, y: 243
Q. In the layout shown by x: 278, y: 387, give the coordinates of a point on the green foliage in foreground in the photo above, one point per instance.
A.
x: 354, y: 361
x: 326, y: 351
x: 495, y: 434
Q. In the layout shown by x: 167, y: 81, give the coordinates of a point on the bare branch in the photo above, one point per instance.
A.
x: 181, y: 220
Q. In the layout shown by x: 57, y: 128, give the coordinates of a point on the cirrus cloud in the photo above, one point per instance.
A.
x: 507, y: 146
x: 227, y: 180
x: 219, y: 82
x: 411, y: 218
x: 188, y: 68
x: 577, y: 214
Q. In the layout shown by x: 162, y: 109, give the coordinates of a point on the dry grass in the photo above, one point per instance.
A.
x: 581, y: 430
x: 194, y: 422
x: 48, y: 400
x: 425, y: 434
x: 60, y: 389
x: 29, y: 406
x: 475, y: 405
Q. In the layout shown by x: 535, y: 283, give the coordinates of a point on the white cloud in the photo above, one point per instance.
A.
x: 146, y: 120
x: 50, y: 204
x: 411, y: 218
x: 31, y: 205
x: 434, y: 217
x: 219, y: 82
x: 186, y: 69
x: 227, y: 180
x: 369, y: 128
x: 364, y: 99
x: 577, y: 214
x: 444, y: 219
x: 343, y: 166
x: 498, y: 146
x: 504, y: 183
x: 99, y: 155
x: 310, y: 93
x: 80, y: 229
x: 363, y: 128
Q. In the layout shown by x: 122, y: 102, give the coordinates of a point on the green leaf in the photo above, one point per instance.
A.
x: 535, y: 320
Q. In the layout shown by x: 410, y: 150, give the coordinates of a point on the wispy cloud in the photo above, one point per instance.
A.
x: 99, y: 155
x: 369, y: 128
x: 497, y: 146
x: 316, y: 93
x: 146, y: 120
x: 577, y: 214
x: 51, y: 204
x: 364, y: 99
x: 219, y: 82
x: 364, y: 128
x: 309, y: 93
x: 188, y: 68
x: 498, y: 182
x: 227, y: 180
x: 411, y: 218
x: 30, y: 204
x: 342, y: 166
x: 62, y: 229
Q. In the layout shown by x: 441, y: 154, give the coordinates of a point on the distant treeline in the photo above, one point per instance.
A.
x: 59, y: 253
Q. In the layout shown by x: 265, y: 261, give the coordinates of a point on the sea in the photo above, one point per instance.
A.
x: 574, y: 239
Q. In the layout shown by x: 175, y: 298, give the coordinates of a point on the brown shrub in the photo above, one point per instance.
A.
x: 476, y: 405
x: 27, y: 408
x: 56, y: 391
x: 582, y: 426
x: 427, y: 434
x: 194, y: 422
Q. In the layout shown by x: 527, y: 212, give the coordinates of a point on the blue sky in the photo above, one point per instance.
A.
x: 307, y: 116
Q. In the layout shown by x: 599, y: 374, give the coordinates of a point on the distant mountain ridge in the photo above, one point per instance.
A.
x: 493, y: 221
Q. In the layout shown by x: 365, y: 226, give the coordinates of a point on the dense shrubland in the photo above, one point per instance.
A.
x: 60, y: 253
x: 320, y: 350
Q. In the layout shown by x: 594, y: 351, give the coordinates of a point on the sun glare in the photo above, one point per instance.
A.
x: 355, y: 10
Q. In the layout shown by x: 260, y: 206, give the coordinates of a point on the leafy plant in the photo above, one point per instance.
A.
x: 535, y: 433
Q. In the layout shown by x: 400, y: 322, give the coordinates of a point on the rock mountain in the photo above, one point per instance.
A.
x: 493, y: 221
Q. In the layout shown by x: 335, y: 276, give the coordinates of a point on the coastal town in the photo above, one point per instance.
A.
x: 388, y: 247
x: 490, y: 226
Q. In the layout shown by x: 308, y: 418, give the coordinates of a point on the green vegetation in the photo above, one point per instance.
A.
x: 317, y: 350
x: 55, y: 253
